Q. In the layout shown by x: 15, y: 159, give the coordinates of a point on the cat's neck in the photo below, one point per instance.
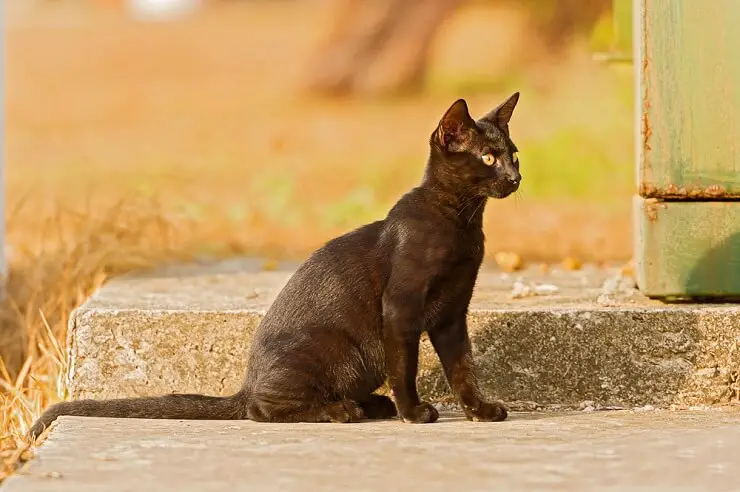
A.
x: 462, y: 207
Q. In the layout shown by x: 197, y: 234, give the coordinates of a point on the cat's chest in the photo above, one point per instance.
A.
x: 454, y: 251
x: 468, y: 245
x: 452, y: 265
x: 450, y: 291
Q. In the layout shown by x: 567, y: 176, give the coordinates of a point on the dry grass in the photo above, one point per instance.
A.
x: 218, y: 158
x: 50, y: 273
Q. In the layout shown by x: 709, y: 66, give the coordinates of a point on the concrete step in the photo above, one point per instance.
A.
x: 553, y: 451
x: 187, y: 329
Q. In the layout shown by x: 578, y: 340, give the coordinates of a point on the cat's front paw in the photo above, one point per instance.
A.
x: 487, y: 412
x: 421, y: 414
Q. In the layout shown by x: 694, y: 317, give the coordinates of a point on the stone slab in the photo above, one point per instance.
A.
x: 599, y: 451
x: 187, y: 329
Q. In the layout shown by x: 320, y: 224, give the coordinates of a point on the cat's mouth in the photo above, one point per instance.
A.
x: 500, y: 190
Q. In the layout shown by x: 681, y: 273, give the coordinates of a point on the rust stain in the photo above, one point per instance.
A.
x: 647, y: 130
x: 716, y: 191
x: 647, y: 190
x: 652, y: 207
x: 671, y: 191
x: 644, y: 36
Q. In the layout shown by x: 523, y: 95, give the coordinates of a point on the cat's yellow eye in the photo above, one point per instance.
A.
x: 488, y: 159
x: 515, y: 157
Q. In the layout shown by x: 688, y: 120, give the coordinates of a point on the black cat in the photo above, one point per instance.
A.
x: 353, y: 313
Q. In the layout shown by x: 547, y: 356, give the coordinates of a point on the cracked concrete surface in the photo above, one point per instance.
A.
x: 597, y: 451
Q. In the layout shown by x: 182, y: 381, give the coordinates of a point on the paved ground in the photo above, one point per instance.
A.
x: 604, y: 451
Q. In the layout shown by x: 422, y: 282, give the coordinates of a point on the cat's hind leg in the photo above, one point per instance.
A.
x: 344, y: 411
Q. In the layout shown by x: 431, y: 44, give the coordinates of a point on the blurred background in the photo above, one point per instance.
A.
x: 142, y: 131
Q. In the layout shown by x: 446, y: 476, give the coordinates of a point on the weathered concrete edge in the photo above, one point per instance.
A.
x: 223, y: 353
x: 683, y: 354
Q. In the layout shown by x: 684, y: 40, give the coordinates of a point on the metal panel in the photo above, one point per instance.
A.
x: 689, y: 69
x: 687, y: 248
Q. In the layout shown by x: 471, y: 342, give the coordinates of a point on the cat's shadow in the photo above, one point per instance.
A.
x: 457, y: 417
x: 454, y: 417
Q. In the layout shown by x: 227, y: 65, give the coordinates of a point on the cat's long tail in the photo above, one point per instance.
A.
x: 174, y: 406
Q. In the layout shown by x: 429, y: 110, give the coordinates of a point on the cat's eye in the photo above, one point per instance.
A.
x: 488, y: 159
x: 515, y: 157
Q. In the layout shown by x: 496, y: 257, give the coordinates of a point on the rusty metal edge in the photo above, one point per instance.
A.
x: 673, y: 192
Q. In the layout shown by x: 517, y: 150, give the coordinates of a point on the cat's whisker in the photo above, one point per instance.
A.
x: 480, y: 204
x: 466, y: 203
x: 518, y: 198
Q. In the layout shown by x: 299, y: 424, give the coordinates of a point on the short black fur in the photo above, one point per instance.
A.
x: 352, y: 315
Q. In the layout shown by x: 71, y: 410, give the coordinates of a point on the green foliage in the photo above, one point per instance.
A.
x: 603, y: 34
x: 271, y: 196
x: 572, y: 164
x: 359, y: 206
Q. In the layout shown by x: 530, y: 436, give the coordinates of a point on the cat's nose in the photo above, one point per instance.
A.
x: 515, y: 179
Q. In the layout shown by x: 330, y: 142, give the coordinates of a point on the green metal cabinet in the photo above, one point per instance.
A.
x: 687, y: 213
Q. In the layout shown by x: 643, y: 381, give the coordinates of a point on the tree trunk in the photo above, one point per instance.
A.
x: 378, y: 46
x: 383, y: 46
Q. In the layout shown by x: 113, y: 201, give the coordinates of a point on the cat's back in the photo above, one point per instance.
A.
x: 326, y: 321
x: 344, y: 276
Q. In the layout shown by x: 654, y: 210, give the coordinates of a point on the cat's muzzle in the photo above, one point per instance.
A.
x: 504, y: 188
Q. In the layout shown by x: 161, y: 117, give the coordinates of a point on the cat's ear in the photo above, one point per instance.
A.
x: 501, y: 116
x: 454, y: 124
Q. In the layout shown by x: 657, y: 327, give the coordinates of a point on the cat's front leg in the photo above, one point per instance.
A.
x: 401, y: 333
x: 452, y: 344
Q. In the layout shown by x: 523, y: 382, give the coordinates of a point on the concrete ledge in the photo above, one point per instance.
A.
x: 188, y: 329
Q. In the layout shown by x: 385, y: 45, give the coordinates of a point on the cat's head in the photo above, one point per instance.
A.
x: 476, y: 157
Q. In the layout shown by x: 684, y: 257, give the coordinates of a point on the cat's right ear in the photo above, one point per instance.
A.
x: 454, y: 124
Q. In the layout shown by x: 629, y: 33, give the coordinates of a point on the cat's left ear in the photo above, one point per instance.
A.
x: 501, y: 116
